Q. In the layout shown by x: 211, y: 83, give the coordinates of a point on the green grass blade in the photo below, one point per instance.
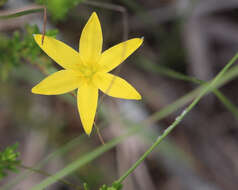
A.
x: 205, y: 89
x: 190, y: 96
x: 82, y: 161
x: 147, y: 65
x: 227, y: 103
x: 21, y: 13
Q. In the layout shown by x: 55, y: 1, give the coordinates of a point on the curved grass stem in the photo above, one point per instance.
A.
x: 47, y: 175
x: 206, y: 88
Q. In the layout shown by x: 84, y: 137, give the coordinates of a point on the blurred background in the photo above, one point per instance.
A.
x: 182, y: 38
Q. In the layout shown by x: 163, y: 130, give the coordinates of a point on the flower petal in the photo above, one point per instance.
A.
x: 114, y: 56
x: 90, y: 45
x: 87, y: 105
x: 60, y: 82
x: 61, y: 53
x: 116, y: 87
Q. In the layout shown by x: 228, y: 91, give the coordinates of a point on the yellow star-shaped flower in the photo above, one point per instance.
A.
x: 87, y: 70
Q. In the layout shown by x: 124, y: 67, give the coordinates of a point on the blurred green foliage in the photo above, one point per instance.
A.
x: 115, y: 186
x: 2, y: 2
x: 9, y: 160
x: 19, y: 49
x: 59, y: 8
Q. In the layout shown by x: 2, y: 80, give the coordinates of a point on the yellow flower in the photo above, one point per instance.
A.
x: 87, y: 70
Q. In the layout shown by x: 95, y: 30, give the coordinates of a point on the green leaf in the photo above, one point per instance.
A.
x: 21, y: 47
x: 9, y: 160
x: 59, y: 152
x: 86, y: 187
x: 115, y: 186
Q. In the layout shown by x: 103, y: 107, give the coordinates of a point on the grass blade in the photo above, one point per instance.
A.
x: 22, y: 13
x: 82, y: 161
x: 205, y: 89
x: 147, y: 65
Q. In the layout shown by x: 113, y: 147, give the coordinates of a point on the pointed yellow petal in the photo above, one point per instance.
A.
x: 58, y: 83
x: 61, y: 53
x: 90, y: 45
x: 87, y: 105
x: 114, y: 56
x: 116, y: 87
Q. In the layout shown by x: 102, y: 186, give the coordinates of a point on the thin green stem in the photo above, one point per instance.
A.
x: 22, y: 13
x: 48, y: 175
x: 226, y: 102
x: 176, y: 75
x: 207, y: 87
x: 81, y: 161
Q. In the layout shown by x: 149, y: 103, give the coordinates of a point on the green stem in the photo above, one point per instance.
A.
x: 22, y: 13
x: 207, y: 87
x: 176, y: 75
x: 47, y: 175
x: 224, y: 100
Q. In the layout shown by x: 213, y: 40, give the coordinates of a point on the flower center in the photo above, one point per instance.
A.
x: 88, y: 71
